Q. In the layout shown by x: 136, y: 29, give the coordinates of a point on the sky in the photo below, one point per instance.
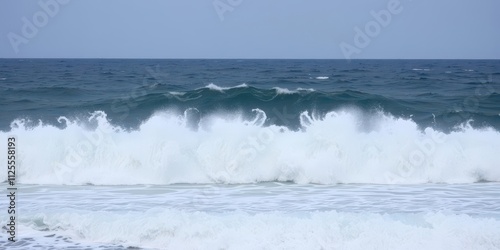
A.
x: 302, y: 29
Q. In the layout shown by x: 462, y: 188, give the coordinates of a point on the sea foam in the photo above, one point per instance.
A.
x: 174, y: 229
x: 215, y: 87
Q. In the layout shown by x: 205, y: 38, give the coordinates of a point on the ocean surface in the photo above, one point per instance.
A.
x: 252, y: 154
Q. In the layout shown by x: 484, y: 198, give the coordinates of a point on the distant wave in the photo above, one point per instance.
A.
x: 322, y: 77
x: 279, y: 90
x: 212, y: 86
x: 286, y: 91
x: 176, y: 93
x: 345, y: 146
x: 281, y: 104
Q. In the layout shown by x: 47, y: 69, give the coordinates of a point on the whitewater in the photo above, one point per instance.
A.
x: 344, y: 146
x: 261, y: 215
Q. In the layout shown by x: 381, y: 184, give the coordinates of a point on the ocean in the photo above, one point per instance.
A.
x: 250, y: 154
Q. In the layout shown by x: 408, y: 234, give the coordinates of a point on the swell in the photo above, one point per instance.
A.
x: 281, y: 105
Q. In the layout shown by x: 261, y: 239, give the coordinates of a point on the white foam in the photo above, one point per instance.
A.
x: 306, y: 90
x: 417, y: 69
x: 285, y: 91
x: 322, y: 77
x: 174, y: 229
x: 176, y: 93
x: 212, y: 86
x: 342, y: 147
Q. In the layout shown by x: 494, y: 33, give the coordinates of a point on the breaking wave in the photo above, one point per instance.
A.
x: 343, y: 146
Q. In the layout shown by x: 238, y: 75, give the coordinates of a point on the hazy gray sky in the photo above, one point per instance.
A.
x: 250, y: 28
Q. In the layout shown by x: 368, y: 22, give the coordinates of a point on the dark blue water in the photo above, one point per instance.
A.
x: 433, y: 93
